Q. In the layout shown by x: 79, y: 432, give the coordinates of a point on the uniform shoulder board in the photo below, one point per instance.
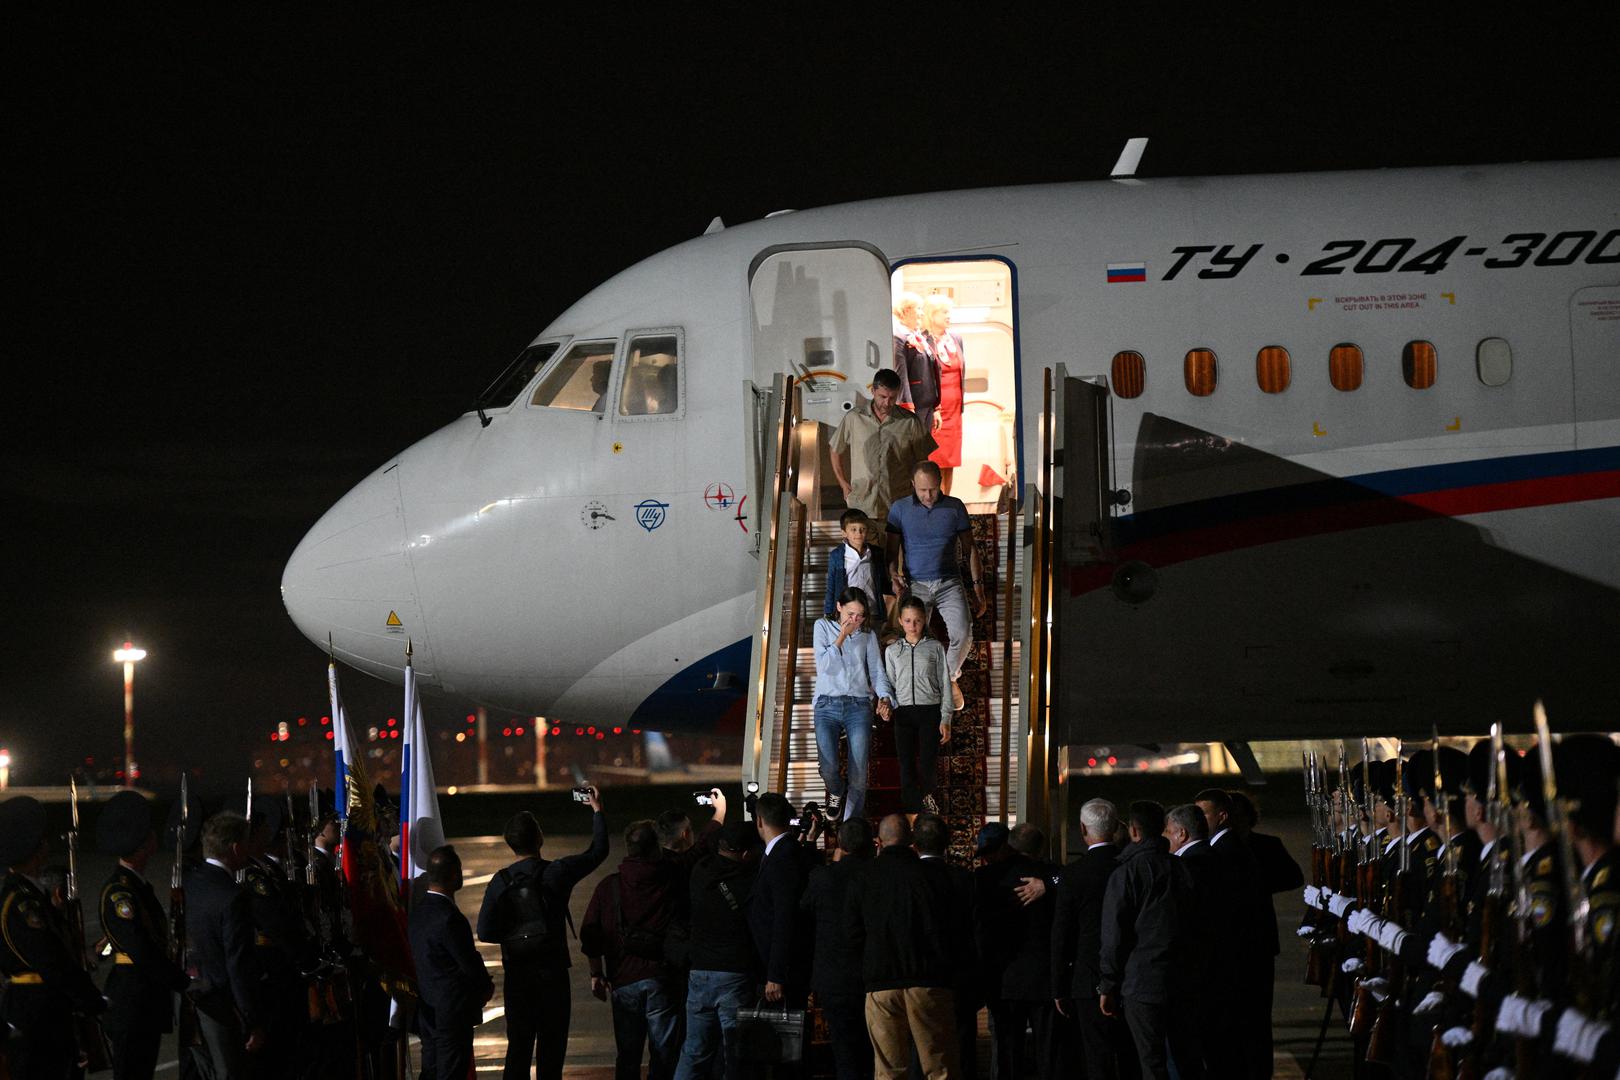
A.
x: 1544, y: 867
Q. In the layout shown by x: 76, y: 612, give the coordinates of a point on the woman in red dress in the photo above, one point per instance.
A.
x: 948, y: 417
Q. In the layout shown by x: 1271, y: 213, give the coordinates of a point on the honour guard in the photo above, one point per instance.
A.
x: 279, y: 937
x: 144, y: 978
x: 45, y: 984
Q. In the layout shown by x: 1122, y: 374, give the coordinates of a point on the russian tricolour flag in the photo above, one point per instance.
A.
x: 1128, y: 271
x: 420, y: 828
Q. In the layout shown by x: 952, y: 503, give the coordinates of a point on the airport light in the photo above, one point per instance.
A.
x: 129, y: 656
x: 5, y: 768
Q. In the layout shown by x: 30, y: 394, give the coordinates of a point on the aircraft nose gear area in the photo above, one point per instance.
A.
x: 349, y: 581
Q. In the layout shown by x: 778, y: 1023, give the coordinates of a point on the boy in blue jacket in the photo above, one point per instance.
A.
x: 857, y: 563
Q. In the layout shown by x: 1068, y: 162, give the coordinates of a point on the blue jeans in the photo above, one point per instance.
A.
x: 852, y: 718
x: 643, y: 1013
x: 712, y: 1001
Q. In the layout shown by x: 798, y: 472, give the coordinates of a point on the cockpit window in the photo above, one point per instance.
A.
x: 579, y: 380
x: 651, y: 376
x: 505, y: 389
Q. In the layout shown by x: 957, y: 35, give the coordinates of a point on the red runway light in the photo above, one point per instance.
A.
x: 579, y: 731
x: 618, y: 731
x: 325, y: 720
x: 303, y: 721
x: 556, y: 731
x: 392, y: 721
x: 471, y: 719
x: 506, y: 731
x: 517, y: 731
x: 1112, y: 760
x: 328, y: 734
x: 1091, y: 761
x: 599, y: 735
x: 590, y: 731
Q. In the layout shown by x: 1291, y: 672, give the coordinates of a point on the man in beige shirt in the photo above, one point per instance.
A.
x: 874, y: 448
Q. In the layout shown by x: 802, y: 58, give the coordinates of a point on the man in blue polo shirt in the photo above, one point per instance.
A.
x: 930, y: 530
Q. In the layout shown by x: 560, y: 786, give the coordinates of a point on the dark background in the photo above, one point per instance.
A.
x: 252, y: 254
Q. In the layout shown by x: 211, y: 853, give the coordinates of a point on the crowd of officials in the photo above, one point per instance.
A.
x: 1435, y: 904
x: 1079, y: 967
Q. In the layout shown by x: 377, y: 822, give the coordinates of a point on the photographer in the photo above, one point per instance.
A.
x: 720, y: 952
x: 526, y: 910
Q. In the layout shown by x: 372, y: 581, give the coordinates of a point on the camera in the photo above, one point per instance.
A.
x: 582, y: 794
x: 703, y: 798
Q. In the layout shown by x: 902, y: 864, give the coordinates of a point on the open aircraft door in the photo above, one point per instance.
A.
x: 821, y: 314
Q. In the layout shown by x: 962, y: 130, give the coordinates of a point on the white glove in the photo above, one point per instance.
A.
x: 1390, y: 936
x: 1577, y: 1036
x: 1469, y: 983
x: 1501, y: 1072
x: 1305, y: 931
x: 1521, y: 1016
x: 1339, y: 903
x: 1352, y: 965
x: 1441, y: 951
x: 1313, y: 897
x: 1379, y: 988
x: 1358, y: 920
x: 1456, y: 1037
x: 1431, y: 1001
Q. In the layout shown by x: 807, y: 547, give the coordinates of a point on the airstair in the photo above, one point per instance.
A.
x: 999, y: 764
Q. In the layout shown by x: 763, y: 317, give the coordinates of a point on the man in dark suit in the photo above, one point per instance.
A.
x: 931, y: 836
x: 900, y: 919
x: 835, y: 970
x: 1149, y: 937
x: 1024, y: 996
x: 773, y: 913
x: 144, y: 978
x: 450, y: 975
x: 231, y: 1010
x: 1076, y: 940
x: 1245, y: 949
x: 525, y: 909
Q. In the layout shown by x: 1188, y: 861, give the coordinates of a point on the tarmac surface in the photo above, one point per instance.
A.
x: 1296, y: 1014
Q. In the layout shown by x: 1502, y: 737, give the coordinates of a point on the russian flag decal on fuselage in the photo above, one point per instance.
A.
x: 1128, y: 271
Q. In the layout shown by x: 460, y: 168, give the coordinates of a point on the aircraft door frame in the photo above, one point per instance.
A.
x: 1016, y: 490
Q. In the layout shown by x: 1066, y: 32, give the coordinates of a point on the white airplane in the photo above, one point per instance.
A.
x: 1368, y: 425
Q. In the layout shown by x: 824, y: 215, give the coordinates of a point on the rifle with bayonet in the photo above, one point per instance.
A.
x: 1522, y: 951
x: 1381, y: 1047
x: 1362, y: 1012
x: 1498, y: 813
x: 1310, y: 926
x: 1582, y: 993
x: 95, y: 1052
x: 1449, y: 919
x: 187, y: 1030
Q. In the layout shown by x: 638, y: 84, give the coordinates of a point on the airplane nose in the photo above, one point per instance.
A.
x: 350, y: 578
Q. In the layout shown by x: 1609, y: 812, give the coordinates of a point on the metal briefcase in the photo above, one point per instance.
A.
x: 768, y: 1036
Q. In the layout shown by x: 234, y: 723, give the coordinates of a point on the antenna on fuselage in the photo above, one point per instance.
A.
x: 714, y: 226
x: 1129, y: 159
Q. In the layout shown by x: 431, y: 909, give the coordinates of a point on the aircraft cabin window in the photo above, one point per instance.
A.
x: 1493, y: 359
x: 1272, y: 369
x: 651, y: 377
x: 1130, y: 374
x: 505, y: 389
x: 579, y: 380
x: 1199, y: 372
x: 1344, y: 366
x: 1419, y: 364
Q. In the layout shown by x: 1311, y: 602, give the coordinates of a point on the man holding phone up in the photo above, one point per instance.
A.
x: 526, y: 911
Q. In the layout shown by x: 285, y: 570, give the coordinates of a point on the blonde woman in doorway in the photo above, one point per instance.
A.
x: 948, y: 354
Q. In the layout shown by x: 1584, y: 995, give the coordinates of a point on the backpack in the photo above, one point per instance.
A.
x: 635, y: 940
x: 524, y: 909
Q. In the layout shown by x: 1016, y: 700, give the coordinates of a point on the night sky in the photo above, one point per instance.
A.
x: 251, y: 255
